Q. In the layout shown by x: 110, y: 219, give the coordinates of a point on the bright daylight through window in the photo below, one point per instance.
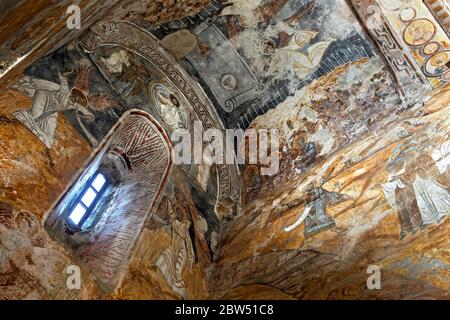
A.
x: 92, y: 193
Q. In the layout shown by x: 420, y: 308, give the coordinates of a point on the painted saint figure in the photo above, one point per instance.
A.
x: 314, y: 215
x: 169, y: 108
x: 24, y: 249
x: 419, y: 192
x: 441, y: 156
x: 115, y: 62
x: 48, y: 100
x: 432, y: 193
x: 172, y: 262
x: 419, y: 32
x: 400, y: 193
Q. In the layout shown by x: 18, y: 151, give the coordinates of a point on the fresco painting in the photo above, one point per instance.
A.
x: 358, y: 91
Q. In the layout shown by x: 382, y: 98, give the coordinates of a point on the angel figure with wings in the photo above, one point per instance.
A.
x: 50, y: 98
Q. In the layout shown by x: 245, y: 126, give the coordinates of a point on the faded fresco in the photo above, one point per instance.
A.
x: 359, y: 91
x: 269, y: 49
x: 90, y: 108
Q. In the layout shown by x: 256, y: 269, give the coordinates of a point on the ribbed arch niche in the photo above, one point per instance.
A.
x: 136, y: 159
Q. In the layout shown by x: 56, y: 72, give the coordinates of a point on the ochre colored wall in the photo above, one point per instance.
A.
x: 33, y: 177
x: 332, y: 264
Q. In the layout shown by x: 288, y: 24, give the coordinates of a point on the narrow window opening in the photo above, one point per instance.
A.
x: 83, y: 206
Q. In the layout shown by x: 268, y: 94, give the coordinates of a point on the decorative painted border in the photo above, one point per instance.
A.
x: 142, y: 43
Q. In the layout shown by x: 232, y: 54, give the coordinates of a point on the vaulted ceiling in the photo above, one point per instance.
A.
x: 357, y: 89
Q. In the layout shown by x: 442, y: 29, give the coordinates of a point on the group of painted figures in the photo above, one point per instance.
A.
x: 419, y: 190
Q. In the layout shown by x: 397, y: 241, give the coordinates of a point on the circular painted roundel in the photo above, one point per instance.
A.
x: 408, y: 14
x: 438, y: 64
x: 169, y: 107
x: 431, y: 48
x: 419, y: 32
x: 446, y: 76
x: 229, y: 82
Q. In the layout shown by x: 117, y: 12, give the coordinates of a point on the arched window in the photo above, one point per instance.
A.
x: 85, y: 204
x: 102, y: 214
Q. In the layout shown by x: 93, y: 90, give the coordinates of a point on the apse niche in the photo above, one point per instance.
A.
x: 101, y: 216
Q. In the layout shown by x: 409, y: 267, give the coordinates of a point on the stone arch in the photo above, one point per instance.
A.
x: 141, y: 42
x: 145, y: 161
